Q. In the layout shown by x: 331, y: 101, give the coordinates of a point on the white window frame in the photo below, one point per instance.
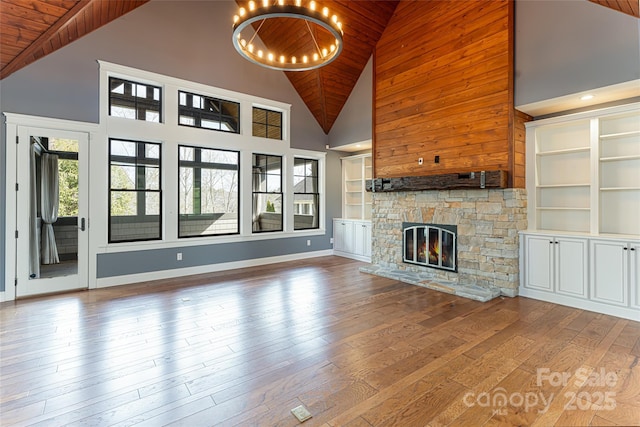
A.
x: 171, y: 135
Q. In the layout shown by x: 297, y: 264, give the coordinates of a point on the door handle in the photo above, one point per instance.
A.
x: 82, y: 226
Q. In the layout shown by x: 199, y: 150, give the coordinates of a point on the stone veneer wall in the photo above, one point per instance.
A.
x: 488, y: 223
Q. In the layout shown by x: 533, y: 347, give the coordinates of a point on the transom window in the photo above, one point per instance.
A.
x: 209, y: 192
x: 267, y: 193
x: 135, y: 197
x: 306, y: 198
x: 208, y: 113
x: 135, y: 101
x: 267, y: 123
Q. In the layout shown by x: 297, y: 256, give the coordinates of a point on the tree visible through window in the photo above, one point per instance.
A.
x: 209, y: 191
x: 306, y: 198
x: 135, y: 195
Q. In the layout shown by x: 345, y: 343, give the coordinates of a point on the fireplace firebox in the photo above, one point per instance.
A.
x: 430, y: 245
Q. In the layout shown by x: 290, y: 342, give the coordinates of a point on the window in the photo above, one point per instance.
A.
x: 208, y: 113
x: 267, y: 193
x: 133, y: 100
x: 306, y: 198
x: 135, y: 195
x: 267, y: 123
x: 209, y: 192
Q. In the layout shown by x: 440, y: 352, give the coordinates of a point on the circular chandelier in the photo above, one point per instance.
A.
x: 314, y: 20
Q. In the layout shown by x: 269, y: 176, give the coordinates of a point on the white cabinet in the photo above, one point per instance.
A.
x: 356, y: 201
x: 594, y: 273
x: 556, y: 264
x: 352, y: 239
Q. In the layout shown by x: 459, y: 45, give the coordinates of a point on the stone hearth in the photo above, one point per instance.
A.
x: 488, y: 222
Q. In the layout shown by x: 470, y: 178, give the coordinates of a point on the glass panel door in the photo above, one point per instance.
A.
x: 52, y: 206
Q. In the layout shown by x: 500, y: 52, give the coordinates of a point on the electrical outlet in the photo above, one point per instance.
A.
x: 331, y: 240
x: 179, y: 256
x: 308, y: 242
x: 436, y: 159
x: 420, y: 161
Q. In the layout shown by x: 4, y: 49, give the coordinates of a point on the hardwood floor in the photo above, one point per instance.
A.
x: 244, y: 347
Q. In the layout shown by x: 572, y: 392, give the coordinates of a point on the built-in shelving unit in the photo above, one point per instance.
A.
x: 563, y: 181
x: 582, y: 247
x: 356, y: 201
x: 587, y: 173
x: 619, y: 173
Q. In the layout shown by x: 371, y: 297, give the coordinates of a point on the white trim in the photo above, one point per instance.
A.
x: 203, y: 269
x: 352, y: 256
x: 591, y: 114
x: 624, y: 312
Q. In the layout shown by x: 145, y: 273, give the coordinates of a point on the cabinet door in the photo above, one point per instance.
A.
x: 362, y: 239
x: 609, y: 272
x: 343, y: 236
x: 571, y: 266
x: 339, y: 231
x: 634, y: 274
x: 539, y: 263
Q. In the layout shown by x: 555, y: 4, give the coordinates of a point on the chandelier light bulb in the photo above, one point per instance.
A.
x: 305, y: 59
x: 334, y: 18
x: 236, y: 18
x: 242, y: 11
x: 281, y: 2
x: 293, y: 60
x: 298, y: 3
x: 260, y: 54
x: 265, y: 3
x: 312, y: 5
x: 252, y: 5
x: 315, y: 56
x: 325, y: 11
x: 250, y: 47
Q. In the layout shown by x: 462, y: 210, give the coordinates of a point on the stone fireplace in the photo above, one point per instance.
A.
x: 487, y: 222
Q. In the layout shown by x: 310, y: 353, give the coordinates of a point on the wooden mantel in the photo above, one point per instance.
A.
x: 450, y: 181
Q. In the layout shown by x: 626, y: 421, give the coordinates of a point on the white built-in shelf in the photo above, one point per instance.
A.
x: 564, y: 151
x: 356, y: 202
x: 586, y: 172
x: 620, y: 135
x: 563, y: 185
x: 618, y: 158
x: 550, y: 208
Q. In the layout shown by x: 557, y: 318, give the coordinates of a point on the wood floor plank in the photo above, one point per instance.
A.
x: 243, y: 347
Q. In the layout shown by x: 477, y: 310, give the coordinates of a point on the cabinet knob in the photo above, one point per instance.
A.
x: 633, y: 249
x: 625, y: 248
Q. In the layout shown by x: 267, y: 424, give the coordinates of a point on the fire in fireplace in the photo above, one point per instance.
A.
x: 430, y: 245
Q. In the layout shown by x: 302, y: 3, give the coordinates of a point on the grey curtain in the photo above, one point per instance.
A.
x: 34, y: 241
x: 49, y: 207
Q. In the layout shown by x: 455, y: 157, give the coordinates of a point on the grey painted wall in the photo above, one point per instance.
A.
x: 569, y: 46
x: 190, y: 40
x: 355, y: 124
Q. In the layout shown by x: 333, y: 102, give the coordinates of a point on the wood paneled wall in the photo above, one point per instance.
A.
x: 444, y: 87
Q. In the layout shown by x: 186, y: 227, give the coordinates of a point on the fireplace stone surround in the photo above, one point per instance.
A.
x: 488, y: 222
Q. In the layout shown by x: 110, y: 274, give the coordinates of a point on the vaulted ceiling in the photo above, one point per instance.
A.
x: 31, y: 29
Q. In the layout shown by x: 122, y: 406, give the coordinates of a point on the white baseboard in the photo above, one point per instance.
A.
x: 352, y: 256
x: 598, y: 307
x: 210, y: 268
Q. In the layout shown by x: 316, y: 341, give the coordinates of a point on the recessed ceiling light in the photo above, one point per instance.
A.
x: 586, y: 97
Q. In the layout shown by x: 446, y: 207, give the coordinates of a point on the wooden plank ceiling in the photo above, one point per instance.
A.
x: 630, y: 7
x: 325, y: 90
x: 31, y: 29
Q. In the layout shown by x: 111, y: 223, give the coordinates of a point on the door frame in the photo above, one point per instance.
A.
x: 13, y: 124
